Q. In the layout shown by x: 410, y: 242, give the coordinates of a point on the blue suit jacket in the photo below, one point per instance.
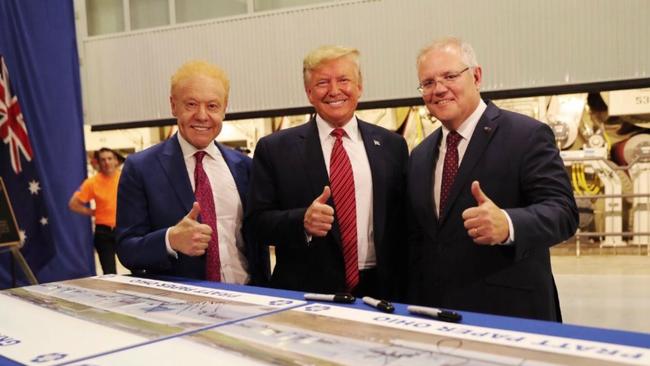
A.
x: 515, y: 159
x: 289, y: 172
x: 154, y: 194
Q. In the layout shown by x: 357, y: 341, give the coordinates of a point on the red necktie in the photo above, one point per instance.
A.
x: 450, y: 169
x: 342, y: 183
x: 203, y: 194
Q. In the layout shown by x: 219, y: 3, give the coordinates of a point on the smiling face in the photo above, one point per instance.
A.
x: 453, y: 103
x: 199, y: 104
x: 334, y: 88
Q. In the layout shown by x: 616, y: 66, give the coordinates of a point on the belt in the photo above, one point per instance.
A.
x: 106, y: 227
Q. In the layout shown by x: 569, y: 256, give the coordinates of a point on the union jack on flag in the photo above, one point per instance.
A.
x: 12, y: 125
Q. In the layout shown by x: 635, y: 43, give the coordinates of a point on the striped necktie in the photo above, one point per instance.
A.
x: 342, y: 183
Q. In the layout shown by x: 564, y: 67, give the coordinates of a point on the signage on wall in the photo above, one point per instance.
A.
x: 633, y: 101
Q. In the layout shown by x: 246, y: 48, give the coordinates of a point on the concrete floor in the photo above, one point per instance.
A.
x: 605, y: 291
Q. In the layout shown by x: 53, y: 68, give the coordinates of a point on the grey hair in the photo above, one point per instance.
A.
x: 467, y: 53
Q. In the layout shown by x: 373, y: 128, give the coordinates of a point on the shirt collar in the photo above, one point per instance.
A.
x: 466, y: 129
x: 188, y: 149
x: 351, y: 128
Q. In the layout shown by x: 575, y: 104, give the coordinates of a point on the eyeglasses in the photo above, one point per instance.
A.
x: 427, y: 86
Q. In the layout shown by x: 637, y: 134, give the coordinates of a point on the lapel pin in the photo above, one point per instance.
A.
x: 487, y: 129
x: 377, y: 143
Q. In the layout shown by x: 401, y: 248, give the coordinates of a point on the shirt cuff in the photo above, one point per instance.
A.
x: 511, y: 230
x: 170, y: 251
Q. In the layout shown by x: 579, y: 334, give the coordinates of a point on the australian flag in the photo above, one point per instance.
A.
x: 42, y: 154
x: 21, y: 179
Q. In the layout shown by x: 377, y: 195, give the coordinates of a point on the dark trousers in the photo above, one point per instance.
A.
x: 105, y: 246
x: 368, y: 284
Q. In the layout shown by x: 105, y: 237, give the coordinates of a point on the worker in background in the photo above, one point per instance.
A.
x: 101, y: 188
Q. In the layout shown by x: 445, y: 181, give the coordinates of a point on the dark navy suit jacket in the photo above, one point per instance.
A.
x: 516, y: 161
x: 154, y: 194
x: 289, y: 172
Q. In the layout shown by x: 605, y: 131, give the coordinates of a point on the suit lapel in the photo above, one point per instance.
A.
x: 483, y: 133
x: 173, y: 164
x: 428, y: 216
x: 373, y: 144
x: 313, y: 162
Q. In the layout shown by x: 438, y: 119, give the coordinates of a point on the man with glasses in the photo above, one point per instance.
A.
x: 329, y: 194
x: 488, y: 195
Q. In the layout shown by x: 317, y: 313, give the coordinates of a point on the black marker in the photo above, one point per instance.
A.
x: 382, y: 305
x: 444, y: 315
x: 342, y: 297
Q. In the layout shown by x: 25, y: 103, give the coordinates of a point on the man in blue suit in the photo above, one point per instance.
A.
x: 488, y: 195
x: 329, y: 239
x: 161, y: 228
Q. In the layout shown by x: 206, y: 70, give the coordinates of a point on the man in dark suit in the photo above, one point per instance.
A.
x: 180, y: 203
x: 330, y: 235
x: 488, y: 195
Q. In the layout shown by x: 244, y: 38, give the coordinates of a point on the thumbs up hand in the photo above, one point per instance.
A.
x: 189, y: 236
x: 194, y: 212
x: 485, y: 223
x: 319, y: 215
x: 478, y: 194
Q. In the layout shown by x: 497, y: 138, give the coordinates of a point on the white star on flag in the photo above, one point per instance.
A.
x: 34, y: 187
x: 43, y: 221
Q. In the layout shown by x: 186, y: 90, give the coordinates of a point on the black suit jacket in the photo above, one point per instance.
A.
x: 154, y: 194
x: 289, y: 172
x: 515, y: 159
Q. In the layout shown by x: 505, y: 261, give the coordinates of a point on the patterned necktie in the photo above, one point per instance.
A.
x: 208, y: 216
x: 342, y: 183
x: 450, y: 169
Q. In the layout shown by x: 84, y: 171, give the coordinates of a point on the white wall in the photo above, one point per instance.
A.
x: 520, y: 44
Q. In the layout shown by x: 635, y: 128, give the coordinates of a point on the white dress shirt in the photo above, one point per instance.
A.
x: 465, y: 130
x: 230, y: 211
x: 353, y: 145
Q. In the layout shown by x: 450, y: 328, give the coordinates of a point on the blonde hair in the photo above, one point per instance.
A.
x: 466, y: 51
x: 200, y: 67
x: 323, y: 54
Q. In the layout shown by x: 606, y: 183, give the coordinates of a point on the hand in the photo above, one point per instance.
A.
x: 485, y: 223
x: 319, y: 216
x: 79, y: 207
x: 189, y: 236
